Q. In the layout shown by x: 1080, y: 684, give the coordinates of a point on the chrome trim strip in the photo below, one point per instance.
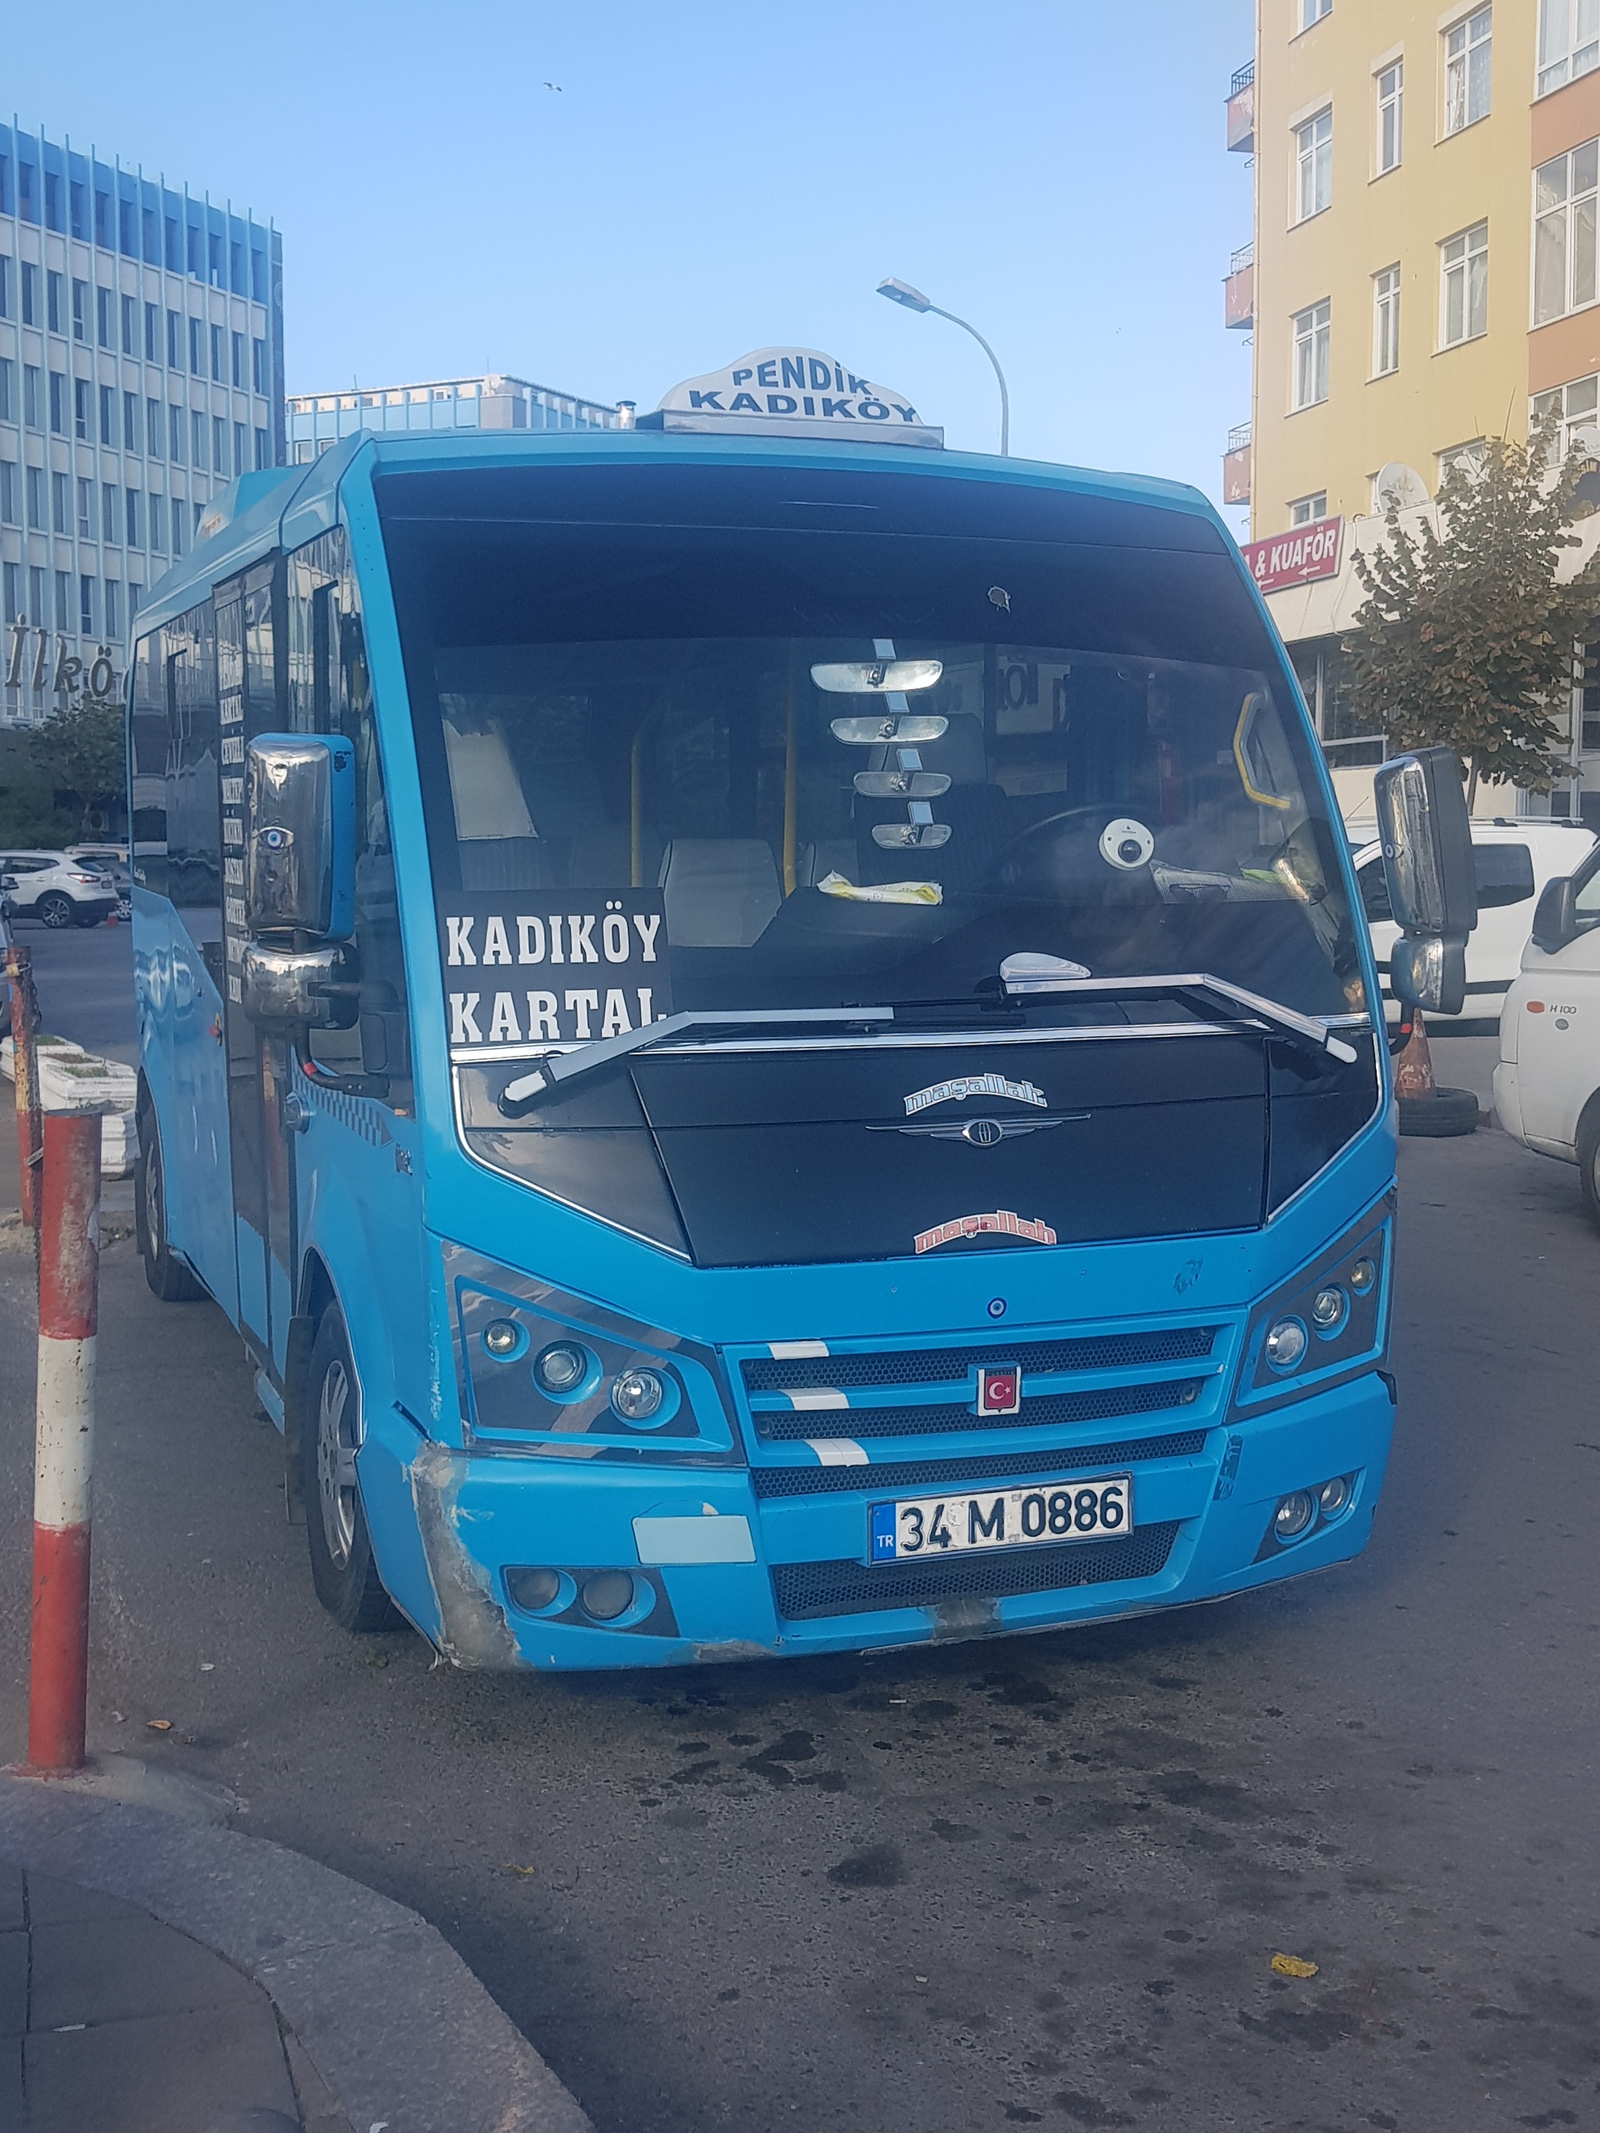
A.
x: 890, y: 1040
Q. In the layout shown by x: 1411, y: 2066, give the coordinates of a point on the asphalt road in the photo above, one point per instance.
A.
x: 1001, y: 1883
x: 85, y: 983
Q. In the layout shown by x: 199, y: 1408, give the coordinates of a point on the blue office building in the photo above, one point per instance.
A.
x: 319, y: 420
x: 141, y: 369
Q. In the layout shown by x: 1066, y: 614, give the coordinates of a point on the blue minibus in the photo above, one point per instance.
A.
x: 765, y: 1032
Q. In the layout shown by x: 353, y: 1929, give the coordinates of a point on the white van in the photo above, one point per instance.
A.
x: 1547, y: 1085
x: 1514, y: 862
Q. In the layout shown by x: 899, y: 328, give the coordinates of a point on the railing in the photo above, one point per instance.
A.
x: 1244, y: 257
x: 1243, y: 77
x: 1239, y: 437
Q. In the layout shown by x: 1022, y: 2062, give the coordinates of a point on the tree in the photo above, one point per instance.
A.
x: 1466, y: 638
x: 80, y: 749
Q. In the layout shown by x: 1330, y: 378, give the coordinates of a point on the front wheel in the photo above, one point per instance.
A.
x: 167, y: 1275
x: 343, y: 1568
x: 1589, y: 1161
x: 54, y: 910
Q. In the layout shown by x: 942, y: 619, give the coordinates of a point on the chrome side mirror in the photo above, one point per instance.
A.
x: 1426, y: 837
x: 299, y: 854
x: 308, y: 988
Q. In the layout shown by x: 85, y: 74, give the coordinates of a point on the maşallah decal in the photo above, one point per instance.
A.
x: 1002, y: 1223
x: 965, y: 1085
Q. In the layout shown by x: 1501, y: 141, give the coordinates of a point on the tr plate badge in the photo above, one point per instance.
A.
x: 999, y: 1390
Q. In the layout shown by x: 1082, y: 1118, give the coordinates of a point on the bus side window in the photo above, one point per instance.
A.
x: 330, y: 693
x: 147, y: 757
x: 194, y: 826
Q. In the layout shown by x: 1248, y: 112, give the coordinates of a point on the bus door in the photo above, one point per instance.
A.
x: 248, y: 701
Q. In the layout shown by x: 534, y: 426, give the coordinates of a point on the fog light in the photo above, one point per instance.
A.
x: 1286, y: 1343
x: 1294, y: 1515
x: 503, y: 1338
x: 534, y: 1588
x: 1362, y: 1276
x: 637, y: 1396
x: 608, y: 1594
x: 1334, y: 1495
x: 561, y: 1368
x: 1328, y: 1309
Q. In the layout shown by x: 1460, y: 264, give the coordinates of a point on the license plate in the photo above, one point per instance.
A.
x: 1000, y: 1518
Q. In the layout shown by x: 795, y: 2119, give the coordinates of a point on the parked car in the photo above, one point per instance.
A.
x: 57, y: 889
x: 1514, y: 860
x: 1547, y: 1084
x: 111, y: 859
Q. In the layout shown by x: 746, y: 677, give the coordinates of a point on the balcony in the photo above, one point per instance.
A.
x: 1239, y: 290
x: 1236, y: 466
x: 1242, y: 111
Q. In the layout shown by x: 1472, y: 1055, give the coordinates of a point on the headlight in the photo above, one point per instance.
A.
x: 1328, y: 1321
x: 543, y: 1372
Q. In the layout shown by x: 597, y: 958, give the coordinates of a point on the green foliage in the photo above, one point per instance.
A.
x: 1466, y: 640
x: 79, y: 750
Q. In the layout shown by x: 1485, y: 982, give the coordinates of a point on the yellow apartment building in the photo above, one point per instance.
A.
x: 1423, y: 275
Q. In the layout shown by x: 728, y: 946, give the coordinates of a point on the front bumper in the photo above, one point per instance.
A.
x: 473, y: 1514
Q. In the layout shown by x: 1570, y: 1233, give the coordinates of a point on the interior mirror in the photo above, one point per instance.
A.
x: 306, y: 988
x: 873, y: 677
x: 299, y: 855
x: 1555, y: 917
x: 1426, y: 838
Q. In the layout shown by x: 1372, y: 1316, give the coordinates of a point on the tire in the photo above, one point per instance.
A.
x: 1589, y: 1162
x: 167, y: 1275
x: 1440, y: 1116
x: 343, y: 1568
x: 54, y: 910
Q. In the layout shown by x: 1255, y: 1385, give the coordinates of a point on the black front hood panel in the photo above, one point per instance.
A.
x: 795, y: 1158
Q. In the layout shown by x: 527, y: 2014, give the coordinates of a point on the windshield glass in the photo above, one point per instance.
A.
x: 736, y: 758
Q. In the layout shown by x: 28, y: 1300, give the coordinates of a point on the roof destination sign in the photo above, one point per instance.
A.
x: 788, y: 392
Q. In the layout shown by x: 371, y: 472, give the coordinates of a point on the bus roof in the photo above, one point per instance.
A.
x: 284, y: 507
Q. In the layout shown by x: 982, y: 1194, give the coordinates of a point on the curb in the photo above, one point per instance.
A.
x: 398, y: 2027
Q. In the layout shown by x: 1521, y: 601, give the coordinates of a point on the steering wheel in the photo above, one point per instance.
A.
x: 1071, y: 855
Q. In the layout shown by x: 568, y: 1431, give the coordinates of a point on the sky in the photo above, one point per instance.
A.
x: 707, y: 178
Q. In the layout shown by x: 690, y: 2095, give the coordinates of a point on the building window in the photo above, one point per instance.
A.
x: 5, y: 282
x: 236, y: 350
x: 1306, y: 510
x: 108, y: 414
x: 261, y: 449
x: 174, y: 330
x: 1564, y: 215
x: 1310, y: 355
x: 158, y: 522
x: 30, y: 293
x: 258, y: 366
x: 8, y: 500
x: 131, y: 501
x: 302, y: 451
x: 216, y: 355
x: 219, y: 444
x: 85, y: 509
x: 34, y: 482
x: 1578, y: 407
x: 152, y: 333
x: 197, y: 424
x: 196, y: 363
x: 60, y: 506
x: 1391, y: 116
x: 240, y: 448
x: 113, y: 609
x: 1313, y: 163
x: 1324, y: 676
x: 175, y: 435
x: 58, y: 402
x: 80, y: 408
x: 102, y: 317
x: 130, y: 326
x: 130, y: 422
x: 63, y: 601
x: 52, y: 285
x: 1468, y: 457
x: 152, y: 428
x: 1464, y: 286
x: 12, y: 583
x: 31, y: 411
x: 108, y: 511
x: 1569, y: 41
x: 80, y: 310
x: 1466, y: 70
x: 1386, y: 322
x: 86, y: 606
x: 1311, y: 12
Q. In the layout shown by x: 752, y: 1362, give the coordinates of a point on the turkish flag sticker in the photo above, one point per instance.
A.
x: 1000, y: 1390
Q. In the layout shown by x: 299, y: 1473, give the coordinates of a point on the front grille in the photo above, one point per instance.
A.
x: 813, y: 1423
x: 806, y: 1591
x: 777, y: 1481
x: 932, y: 1366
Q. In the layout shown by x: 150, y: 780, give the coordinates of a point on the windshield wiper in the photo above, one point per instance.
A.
x: 561, y: 1067
x: 1312, y: 1030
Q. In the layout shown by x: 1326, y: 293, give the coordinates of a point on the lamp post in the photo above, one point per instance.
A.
x: 901, y: 292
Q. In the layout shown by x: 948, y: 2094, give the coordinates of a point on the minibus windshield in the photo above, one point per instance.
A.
x: 823, y: 764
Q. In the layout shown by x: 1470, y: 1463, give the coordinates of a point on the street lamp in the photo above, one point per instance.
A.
x: 901, y: 292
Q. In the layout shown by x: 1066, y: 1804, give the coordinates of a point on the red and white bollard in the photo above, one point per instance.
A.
x: 69, y: 1279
